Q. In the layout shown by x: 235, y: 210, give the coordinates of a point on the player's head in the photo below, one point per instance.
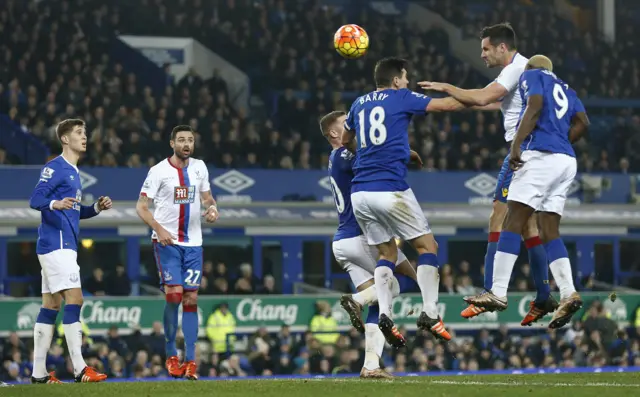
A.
x: 182, y: 141
x: 72, y: 134
x: 332, y: 126
x: 498, y: 44
x: 391, y: 73
x: 539, y: 62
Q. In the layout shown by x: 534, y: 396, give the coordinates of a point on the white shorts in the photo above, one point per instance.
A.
x: 358, y: 258
x: 384, y: 215
x: 543, y: 181
x: 60, y: 271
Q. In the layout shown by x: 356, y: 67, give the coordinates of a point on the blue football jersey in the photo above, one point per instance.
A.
x: 380, y: 120
x: 560, y: 104
x: 59, y: 229
x: 340, y: 175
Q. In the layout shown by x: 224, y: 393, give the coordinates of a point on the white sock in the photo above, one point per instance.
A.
x: 428, y: 280
x: 502, y: 268
x: 383, y: 277
x: 42, y: 336
x: 366, y: 296
x: 373, y: 348
x: 73, y: 336
x: 561, y: 271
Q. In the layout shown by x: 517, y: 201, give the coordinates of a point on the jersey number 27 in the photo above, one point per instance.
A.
x: 376, y: 131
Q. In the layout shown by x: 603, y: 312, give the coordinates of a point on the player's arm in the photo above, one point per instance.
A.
x: 143, y: 211
x: 149, y: 190
x: 349, y: 134
x: 89, y: 211
x: 41, y: 197
x: 579, y: 122
x: 448, y: 104
x: 492, y: 107
x: 534, y: 97
x: 211, y: 212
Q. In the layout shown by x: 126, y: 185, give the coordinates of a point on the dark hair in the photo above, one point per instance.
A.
x: 388, y: 68
x: 66, y: 126
x: 327, y: 120
x: 180, y: 128
x: 500, y: 33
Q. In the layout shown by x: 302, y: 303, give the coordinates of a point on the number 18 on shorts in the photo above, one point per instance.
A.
x: 179, y: 265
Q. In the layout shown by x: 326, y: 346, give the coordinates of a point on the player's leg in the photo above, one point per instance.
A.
x: 43, y: 334
x: 169, y: 264
x: 63, y: 277
x: 544, y: 302
x: 192, y: 274
x: 374, y: 346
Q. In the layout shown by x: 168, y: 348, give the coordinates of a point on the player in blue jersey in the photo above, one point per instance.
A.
x: 57, y: 196
x: 383, y: 202
x: 355, y: 255
x: 545, y: 166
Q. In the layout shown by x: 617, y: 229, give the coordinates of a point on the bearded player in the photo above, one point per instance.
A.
x: 57, y: 196
x: 355, y: 255
x: 499, y: 49
x: 178, y: 186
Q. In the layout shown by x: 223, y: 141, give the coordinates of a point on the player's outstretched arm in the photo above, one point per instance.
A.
x: 477, y: 97
x: 448, y: 104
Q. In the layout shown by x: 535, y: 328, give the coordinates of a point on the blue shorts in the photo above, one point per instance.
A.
x: 179, y: 265
x: 504, y: 180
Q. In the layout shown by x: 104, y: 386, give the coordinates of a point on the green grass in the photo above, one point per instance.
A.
x: 572, y: 385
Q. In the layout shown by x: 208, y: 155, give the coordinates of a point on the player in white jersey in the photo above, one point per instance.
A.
x: 499, y: 49
x: 178, y: 186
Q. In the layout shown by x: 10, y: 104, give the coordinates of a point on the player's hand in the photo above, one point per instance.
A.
x: 164, y: 237
x: 211, y: 214
x: 65, y: 204
x: 434, y: 86
x: 515, y: 159
x: 104, y: 203
x: 415, y: 157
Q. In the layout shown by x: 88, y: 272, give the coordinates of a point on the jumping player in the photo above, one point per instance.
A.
x: 545, y: 166
x: 355, y: 255
x: 177, y: 186
x: 57, y: 196
x: 383, y: 202
x: 499, y: 49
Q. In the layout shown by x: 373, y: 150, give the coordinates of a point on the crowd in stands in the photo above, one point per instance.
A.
x: 56, y: 64
x: 594, y: 340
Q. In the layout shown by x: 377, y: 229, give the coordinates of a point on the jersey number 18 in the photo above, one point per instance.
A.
x: 377, y: 132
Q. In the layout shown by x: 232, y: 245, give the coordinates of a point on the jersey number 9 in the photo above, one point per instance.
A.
x: 377, y: 132
x: 561, y: 100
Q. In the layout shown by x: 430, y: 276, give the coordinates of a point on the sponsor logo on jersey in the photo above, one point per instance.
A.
x: 184, y: 194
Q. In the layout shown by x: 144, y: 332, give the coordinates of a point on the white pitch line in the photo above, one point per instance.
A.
x: 545, y: 384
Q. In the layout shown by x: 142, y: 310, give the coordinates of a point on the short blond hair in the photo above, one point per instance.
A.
x: 540, y: 62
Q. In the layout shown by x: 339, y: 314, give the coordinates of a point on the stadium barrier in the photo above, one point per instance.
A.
x: 273, y: 311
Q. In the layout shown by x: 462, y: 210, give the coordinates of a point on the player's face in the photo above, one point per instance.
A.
x: 183, y: 145
x: 491, y: 55
x: 402, y: 81
x: 338, y: 126
x: 77, y: 139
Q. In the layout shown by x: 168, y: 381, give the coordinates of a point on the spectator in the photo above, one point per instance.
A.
x: 96, y: 284
x: 322, y: 324
x: 118, y: 284
x: 221, y: 326
x: 268, y: 286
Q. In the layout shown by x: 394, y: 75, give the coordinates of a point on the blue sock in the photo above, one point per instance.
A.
x: 539, y: 267
x: 406, y: 283
x: 555, y: 250
x: 386, y: 263
x: 428, y: 260
x: 171, y: 308
x: 492, y: 247
x: 71, y: 314
x: 47, y: 316
x: 190, y: 330
x: 373, y: 314
x: 510, y: 243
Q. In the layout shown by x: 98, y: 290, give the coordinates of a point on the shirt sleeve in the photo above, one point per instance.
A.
x: 89, y: 211
x: 41, y: 197
x: 349, y: 125
x: 578, y: 107
x: 205, y: 186
x: 531, y: 85
x: 414, y: 102
x: 509, y: 77
x: 151, y: 184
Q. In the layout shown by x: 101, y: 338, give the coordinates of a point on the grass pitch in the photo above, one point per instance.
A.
x: 582, y: 385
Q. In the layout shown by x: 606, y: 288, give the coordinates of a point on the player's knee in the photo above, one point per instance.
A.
x: 531, y: 228
x: 425, y: 244
x: 497, y: 217
x: 173, y: 297
x: 190, y: 298
x: 388, y: 251
x: 73, y: 296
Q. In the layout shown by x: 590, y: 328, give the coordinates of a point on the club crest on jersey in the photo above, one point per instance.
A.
x: 184, y: 194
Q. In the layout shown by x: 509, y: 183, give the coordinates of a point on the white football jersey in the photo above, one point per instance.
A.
x: 176, y: 198
x: 512, y: 102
